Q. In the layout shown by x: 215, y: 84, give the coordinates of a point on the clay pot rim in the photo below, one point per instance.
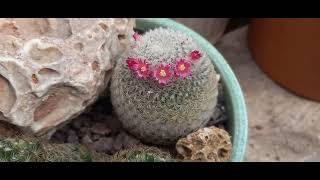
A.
x: 238, y: 124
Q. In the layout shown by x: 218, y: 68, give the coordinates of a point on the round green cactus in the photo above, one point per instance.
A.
x: 165, y: 87
x: 142, y: 154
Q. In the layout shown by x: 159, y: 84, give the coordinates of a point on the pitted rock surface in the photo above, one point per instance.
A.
x: 209, y: 144
x: 51, y: 69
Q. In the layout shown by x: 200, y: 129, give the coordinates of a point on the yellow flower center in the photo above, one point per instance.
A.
x: 143, y: 68
x: 182, y: 67
x: 163, y: 73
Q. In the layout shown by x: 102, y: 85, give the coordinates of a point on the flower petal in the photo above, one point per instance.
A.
x: 132, y: 63
x: 195, y: 55
x: 163, y: 73
x: 136, y: 36
x: 182, y: 68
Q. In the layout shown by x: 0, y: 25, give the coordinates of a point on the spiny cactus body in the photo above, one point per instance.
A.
x: 142, y: 154
x: 33, y: 150
x: 165, y: 87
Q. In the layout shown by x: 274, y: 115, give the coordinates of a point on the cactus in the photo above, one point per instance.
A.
x: 142, y: 154
x: 164, y: 87
x: 33, y: 150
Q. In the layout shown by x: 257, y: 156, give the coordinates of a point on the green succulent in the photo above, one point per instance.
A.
x: 142, y: 154
x: 34, y: 150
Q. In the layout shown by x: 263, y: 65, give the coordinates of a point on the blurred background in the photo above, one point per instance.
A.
x: 277, y: 63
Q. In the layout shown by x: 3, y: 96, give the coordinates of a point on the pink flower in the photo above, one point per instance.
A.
x: 163, y: 73
x: 182, y: 68
x: 195, y: 55
x: 132, y: 63
x: 136, y: 36
x: 143, y: 69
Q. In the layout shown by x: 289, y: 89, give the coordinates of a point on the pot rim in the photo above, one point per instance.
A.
x: 234, y: 95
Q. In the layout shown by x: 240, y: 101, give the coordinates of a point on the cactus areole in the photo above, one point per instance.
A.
x: 164, y: 87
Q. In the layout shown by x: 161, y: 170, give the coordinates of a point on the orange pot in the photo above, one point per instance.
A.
x: 288, y: 50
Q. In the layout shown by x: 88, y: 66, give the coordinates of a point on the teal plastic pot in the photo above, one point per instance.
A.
x: 238, y: 123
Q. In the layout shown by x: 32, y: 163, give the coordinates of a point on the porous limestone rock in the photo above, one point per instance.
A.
x: 209, y: 144
x: 51, y: 69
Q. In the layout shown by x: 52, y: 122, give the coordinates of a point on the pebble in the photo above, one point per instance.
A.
x: 103, y: 145
x: 72, y: 137
x: 86, y: 140
x: 101, y: 129
x: 123, y: 140
x: 76, y: 124
x: 59, y: 137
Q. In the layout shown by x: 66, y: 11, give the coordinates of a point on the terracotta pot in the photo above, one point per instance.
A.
x: 288, y: 50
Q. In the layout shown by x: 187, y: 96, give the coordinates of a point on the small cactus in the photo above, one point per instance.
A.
x: 142, y: 154
x: 164, y: 87
x: 33, y: 150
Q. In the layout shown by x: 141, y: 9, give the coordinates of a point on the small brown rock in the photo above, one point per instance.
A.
x: 114, y: 124
x: 208, y: 144
x: 102, y: 145
x: 101, y: 129
x: 95, y: 137
x: 84, y: 130
x: 77, y: 123
x: 123, y: 140
x: 72, y: 137
x: 86, y: 140
x: 59, y: 137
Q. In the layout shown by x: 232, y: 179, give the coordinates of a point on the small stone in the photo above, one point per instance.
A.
x: 207, y: 144
x: 114, y: 124
x: 101, y: 129
x: 123, y: 140
x: 72, y: 137
x: 86, y: 123
x: 95, y: 137
x: 65, y: 129
x: 84, y: 130
x: 102, y: 145
x: 77, y: 123
x: 118, y: 142
x: 86, y: 140
x: 59, y: 137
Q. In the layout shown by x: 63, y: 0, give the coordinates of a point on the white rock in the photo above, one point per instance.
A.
x: 52, y: 69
